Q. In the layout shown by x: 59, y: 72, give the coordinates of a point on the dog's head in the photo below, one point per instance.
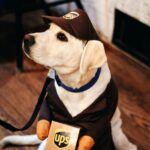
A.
x: 63, y: 48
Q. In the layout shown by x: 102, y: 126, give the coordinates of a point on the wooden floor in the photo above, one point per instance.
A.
x: 133, y: 82
x: 19, y: 92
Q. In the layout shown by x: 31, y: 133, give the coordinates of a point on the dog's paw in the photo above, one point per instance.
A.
x: 3, y: 143
x: 132, y: 147
x: 126, y: 146
x: 42, y: 145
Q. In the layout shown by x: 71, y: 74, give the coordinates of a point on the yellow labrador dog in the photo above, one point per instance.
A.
x: 65, y: 48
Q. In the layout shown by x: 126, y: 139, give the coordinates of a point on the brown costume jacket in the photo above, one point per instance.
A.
x: 94, y: 120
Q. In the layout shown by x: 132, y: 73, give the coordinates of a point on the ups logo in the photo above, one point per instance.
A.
x: 61, y: 139
x: 71, y: 15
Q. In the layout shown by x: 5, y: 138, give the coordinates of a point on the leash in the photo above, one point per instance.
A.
x: 34, y: 114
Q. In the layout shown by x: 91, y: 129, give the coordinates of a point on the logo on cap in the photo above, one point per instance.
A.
x: 71, y: 15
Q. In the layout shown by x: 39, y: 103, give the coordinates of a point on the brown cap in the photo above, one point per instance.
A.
x: 77, y: 23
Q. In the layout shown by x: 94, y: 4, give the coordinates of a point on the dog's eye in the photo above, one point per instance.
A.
x: 61, y: 36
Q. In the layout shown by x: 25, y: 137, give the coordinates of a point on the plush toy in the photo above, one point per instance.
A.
x: 83, y: 92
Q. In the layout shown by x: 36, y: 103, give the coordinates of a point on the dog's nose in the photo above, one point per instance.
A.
x: 29, y: 40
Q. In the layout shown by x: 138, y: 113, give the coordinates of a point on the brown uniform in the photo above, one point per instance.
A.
x: 94, y: 120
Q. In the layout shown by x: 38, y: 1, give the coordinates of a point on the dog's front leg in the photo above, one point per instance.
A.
x: 86, y: 143
x: 42, y: 129
x: 120, y: 139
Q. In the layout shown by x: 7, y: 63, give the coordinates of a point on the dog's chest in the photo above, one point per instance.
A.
x: 75, y: 103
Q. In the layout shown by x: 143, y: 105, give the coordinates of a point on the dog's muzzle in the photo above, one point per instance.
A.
x: 29, y: 40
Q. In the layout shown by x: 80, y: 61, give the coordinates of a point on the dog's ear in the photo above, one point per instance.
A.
x: 93, y: 56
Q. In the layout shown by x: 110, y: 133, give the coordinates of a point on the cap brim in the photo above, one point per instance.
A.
x: 49, y: 19
x: 57, y: 20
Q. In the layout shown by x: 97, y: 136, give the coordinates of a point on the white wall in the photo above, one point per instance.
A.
x: 101, y: 12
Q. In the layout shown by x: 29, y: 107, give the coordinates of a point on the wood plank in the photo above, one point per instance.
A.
x: 133, y: 81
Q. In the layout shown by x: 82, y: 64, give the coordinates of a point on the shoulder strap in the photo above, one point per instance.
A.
x: 34, y: 114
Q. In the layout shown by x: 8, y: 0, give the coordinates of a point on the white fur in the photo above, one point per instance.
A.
x: 71, y: 61
x: 42, y: 145
x: 120, y: 140
x: 77, y: 102
x: 20, y: 140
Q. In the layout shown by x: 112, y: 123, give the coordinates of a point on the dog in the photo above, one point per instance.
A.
x: 71, y: 48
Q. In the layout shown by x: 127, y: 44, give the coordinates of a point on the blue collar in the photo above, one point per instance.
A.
x: 82, y: 88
